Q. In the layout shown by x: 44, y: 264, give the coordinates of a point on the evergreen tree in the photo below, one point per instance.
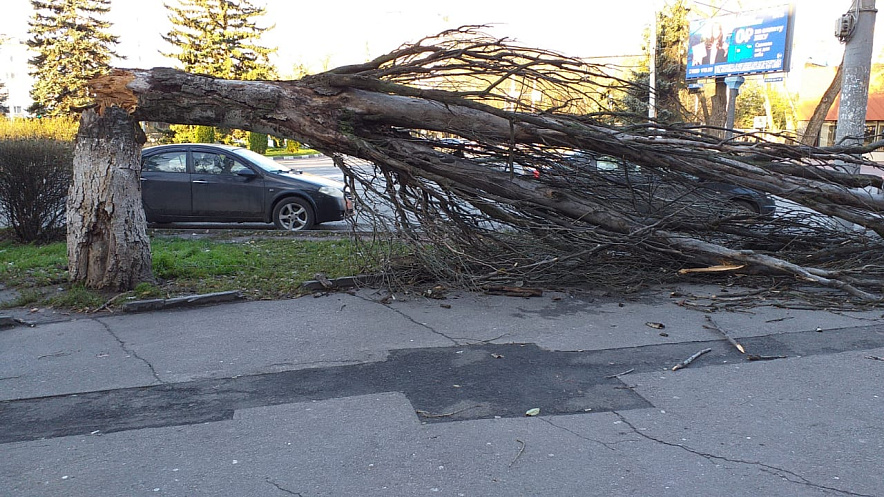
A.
x: 72, y: 46
x: 217, y: 38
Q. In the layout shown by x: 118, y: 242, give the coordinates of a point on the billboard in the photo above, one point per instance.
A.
x: 745, y: 43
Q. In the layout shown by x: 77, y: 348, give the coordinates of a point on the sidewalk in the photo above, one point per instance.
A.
x: 344, y: 395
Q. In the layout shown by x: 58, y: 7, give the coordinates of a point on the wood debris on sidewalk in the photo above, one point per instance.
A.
x: 513, y: 291
x: 690, y: 359
x: 713, y: 326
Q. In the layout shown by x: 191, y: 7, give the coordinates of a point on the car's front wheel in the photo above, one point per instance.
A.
x: 293, y: 214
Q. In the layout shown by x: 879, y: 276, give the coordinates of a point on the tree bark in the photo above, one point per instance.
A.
x: 815, y: 124
x: 108, y: 246
x: 718, y: 119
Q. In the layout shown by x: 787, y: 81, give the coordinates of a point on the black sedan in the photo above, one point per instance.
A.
x: 220, y: 183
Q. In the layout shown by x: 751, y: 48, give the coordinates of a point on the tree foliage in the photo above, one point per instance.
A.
x: 757, y: 98
x: 73, y: 45
x: 219, y: 38
x: 670, y: 65
x: 258, y: 142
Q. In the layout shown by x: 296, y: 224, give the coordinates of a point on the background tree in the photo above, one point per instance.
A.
x: 217, y: 38
x: 815, y: 124
x: 72, y: 46
x: 671, y: 59
x: 757, y: 98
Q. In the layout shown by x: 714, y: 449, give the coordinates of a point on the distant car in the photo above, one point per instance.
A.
x: 221, y: 183
x: 623, y: 173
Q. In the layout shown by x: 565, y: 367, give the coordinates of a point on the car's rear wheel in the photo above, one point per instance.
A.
x: 293, y: 214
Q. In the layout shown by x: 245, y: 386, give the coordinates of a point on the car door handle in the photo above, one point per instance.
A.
x: 200, y: 181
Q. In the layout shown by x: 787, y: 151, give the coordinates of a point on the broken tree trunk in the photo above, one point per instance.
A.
x: 393, y: 111
x: 107, y: 241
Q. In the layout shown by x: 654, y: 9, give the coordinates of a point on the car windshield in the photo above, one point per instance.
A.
x: 265, y: 163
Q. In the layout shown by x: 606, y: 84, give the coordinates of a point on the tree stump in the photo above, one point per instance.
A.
x: 107, y: 243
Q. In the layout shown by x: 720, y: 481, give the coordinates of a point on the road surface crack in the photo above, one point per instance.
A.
x: 765, y: 468
x: 607, y: 445
x: 129, y: 351
x: 281, y: 488
x: 406, y: 316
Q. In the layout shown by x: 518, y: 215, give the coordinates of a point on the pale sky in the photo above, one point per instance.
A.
x: 326, y: 34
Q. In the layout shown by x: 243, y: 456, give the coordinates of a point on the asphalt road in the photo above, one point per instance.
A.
x: 357, y: 394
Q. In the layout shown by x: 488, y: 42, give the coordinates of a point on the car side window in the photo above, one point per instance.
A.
x: 211, y: 163
x: 169, y: 162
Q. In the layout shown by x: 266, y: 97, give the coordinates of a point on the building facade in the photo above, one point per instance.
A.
x: 14, y: 75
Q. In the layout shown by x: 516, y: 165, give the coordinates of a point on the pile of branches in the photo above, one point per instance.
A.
x: 556, y: 197
x: 503, y: 163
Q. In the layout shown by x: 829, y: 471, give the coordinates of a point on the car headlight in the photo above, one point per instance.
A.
x: 331, y: 191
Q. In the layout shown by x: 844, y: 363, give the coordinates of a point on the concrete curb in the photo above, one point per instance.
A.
x: 296, y: 157
x: 186, y: 301
x: 8, y: 321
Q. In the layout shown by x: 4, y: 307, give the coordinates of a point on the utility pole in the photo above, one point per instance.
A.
x: 856, y: 29
x: 652, y: 67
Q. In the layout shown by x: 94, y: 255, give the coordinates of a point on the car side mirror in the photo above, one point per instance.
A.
x: 246, y: 173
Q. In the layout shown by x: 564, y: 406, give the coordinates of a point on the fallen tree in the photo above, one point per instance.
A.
x: 473, y: 216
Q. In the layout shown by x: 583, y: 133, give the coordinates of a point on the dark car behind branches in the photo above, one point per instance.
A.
x: 655, y: 182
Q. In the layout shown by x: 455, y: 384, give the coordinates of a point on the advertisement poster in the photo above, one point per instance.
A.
x: 746, y: 43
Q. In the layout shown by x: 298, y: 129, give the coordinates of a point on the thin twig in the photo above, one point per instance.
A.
x: 619, y: 374
x: 755, y: 357
x: 521, y: 450
x: 714, y: 326
x: 690, y: 359
x: 428, y: 414
x: 779, y: 319
x: 109, y: 302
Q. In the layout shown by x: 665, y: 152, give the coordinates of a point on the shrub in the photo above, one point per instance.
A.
x: 56, y: 128
x: 35, y: 174
x: 258, y: 142
x: 204, y: 134
x: 292, y: 145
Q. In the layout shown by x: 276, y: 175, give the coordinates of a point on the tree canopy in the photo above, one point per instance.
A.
x: 73, y: 45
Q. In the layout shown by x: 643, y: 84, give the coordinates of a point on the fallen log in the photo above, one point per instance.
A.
x: 567, y: 223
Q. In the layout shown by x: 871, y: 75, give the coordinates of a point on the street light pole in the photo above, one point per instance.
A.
x: 733, y: 87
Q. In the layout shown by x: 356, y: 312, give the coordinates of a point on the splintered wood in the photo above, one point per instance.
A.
x: 111, y: 89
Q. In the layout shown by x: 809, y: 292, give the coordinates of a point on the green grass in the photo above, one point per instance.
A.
x: 263, y: 268
x: 32, y: 265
